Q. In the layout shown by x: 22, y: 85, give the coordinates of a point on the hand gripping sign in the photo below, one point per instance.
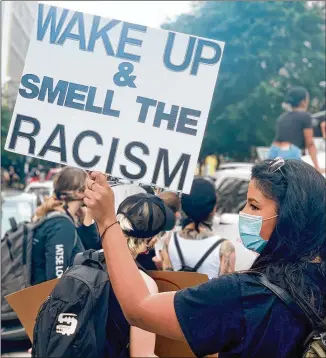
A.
x: 121, y: 98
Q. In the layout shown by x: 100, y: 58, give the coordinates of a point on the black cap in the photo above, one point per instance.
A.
x: 148, y: 215
x: 201, y: 201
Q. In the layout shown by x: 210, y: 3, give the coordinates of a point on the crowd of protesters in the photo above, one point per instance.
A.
x: 283, y: 221
x: 232, y: 314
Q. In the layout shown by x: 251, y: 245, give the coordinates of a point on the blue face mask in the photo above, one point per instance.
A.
x: 249, y: 228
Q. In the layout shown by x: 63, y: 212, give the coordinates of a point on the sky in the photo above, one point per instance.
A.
x: 148, y: 13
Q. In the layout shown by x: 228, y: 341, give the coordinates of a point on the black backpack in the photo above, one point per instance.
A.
x: 315, y: 344
x: 16, y: 259
x: 187, y: 268
x: 73, y: 321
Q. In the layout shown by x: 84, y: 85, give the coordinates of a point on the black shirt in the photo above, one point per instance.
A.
x: 55, y: 245
x: 290, y: 126
x: 235, y: 316
x: 146, y: 260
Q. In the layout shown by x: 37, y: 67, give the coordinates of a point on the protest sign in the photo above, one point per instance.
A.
x: 121, y: 98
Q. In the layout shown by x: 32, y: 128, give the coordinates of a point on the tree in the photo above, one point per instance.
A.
x: 269, y: 47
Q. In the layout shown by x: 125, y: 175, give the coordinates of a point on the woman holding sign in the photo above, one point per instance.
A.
x: 238, y: 315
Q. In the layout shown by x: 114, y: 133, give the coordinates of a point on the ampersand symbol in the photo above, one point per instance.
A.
x: 123, y: 78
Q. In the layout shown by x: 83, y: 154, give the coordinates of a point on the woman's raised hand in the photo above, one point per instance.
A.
x: 99, y: 197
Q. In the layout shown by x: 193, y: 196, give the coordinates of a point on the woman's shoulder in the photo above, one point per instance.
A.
x: 151, y: 284
x: 55, y: 221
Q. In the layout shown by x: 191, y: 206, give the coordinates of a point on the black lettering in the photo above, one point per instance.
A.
x: 170, y: 117
x: 134, y: 159
x: 163, y: 156
x: 76, y: 145
x: 113, y: 152
x: 27, y: 81
x: 145, y: 104
x: 17, y: 133
x: 47, y: 88
x: 58, y: 130
x: 184, y: 120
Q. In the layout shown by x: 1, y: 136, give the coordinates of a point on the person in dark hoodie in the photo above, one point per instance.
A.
x: 61, y: 237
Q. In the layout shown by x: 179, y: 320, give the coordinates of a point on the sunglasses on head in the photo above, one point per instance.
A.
x: 275, y: 165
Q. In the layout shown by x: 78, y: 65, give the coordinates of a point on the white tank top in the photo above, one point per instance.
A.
x: 193, y: 251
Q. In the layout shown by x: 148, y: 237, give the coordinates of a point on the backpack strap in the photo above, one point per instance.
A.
x: 51, y: 215
x: 140, y: 267
x: 54, y: 214
x: 207, y: 253
x: 289, y: 301
x: 280, y: 293
x: 177, y: 245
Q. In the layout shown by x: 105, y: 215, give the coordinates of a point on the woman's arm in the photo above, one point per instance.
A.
x: 142, y: 343
x: 154, y: 313
x: 88, y: 232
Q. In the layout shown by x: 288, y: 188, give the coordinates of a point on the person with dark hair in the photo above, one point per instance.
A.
x: 236, y: 315
x: 188, y: 246
x: 294, y: 131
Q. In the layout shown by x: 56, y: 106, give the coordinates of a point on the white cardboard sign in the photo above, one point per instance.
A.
x: 121, y: 98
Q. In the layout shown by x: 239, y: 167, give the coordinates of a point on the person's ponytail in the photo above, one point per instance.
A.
x: 49, y: 205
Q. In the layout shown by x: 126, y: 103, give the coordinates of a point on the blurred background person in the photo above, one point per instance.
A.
x: 197, y: 237
x: 57, y: 240
x: 294, y: 131
x: 13, y: 177
x: 211, y: 164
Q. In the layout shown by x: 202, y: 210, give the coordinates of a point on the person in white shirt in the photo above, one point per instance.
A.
x: 196, y: 239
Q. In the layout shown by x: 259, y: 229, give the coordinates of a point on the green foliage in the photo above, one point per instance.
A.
x: 269, y: 46
x: 7, y: 158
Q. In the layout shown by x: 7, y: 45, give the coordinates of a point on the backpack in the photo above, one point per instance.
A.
x: 73, y: 320
x: 187, y: 268
x: 315, y: 344
x: 16, y: 259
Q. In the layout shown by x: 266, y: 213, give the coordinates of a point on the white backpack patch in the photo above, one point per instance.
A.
x: 67, y: 324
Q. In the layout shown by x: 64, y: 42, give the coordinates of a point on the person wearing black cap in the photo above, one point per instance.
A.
x: 197, y: 239
x: 141, y: 217
x: 152, y: 227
